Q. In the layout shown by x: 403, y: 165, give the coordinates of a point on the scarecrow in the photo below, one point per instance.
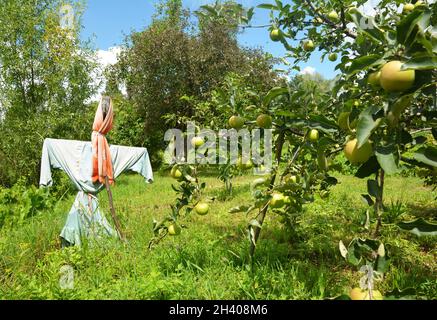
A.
x: 92, y: 167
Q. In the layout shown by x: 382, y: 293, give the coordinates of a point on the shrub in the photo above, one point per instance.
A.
x: 20, y: 203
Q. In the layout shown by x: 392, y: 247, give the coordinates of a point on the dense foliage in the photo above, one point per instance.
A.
x: 173, y: 58
x: 45, y: 81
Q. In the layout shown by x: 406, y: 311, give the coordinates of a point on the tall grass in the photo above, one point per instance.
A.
x: 209, y: 260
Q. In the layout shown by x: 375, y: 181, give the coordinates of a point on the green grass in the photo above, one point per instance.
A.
x: 210, y: 258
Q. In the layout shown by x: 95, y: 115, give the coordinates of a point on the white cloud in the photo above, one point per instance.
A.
x: 105, y: 58
x: 108, y: 57
x: 308, y: 70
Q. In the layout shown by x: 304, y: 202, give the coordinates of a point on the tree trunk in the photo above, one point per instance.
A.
x: 263, y: 213
x: 379, y: 205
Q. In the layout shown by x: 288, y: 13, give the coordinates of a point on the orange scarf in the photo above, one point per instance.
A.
x: 102, y: 164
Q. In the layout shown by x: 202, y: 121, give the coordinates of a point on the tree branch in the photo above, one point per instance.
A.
x: 421, y: 130
x: 260, y: 26
x: 329, y: 22
x: 296, y: 132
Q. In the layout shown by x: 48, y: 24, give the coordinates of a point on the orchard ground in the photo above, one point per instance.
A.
x: 210, y: 259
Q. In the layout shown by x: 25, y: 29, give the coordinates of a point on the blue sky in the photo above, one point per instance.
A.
x: 107, y: 22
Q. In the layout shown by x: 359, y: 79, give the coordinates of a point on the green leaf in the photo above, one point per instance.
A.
x: 406, y: 137
x: 250, y: 13
x: 424, y: 21
x: 373, y: 188
x: 416, y: 32
x: 274, y: 93
x: 405, y: 25
x: 406, y: 294
x: 259, y: 182
x: 421, y: 63
x: 366, y: 222
x: 286, y: 113
x: 427, y: 155
x: 239, y: 209
x: 267, y: 6
x: 175, y: 188
x: 368, y: 121
x: 196, y: 266
x: 352, y: 258
x: 250, y: 209
x: 255, y: 223
x: 434, y: 39
x: 367, y: 200
x: 212, y: 11
x: 252, y: 235
x: 381, y: 263
x: 363, y: 63
x: 368, y: 168
x: 340, y: 297
x: 388, y: 158
x: 425, y: 42
x: 381, y: 250
x: 419, y: 227
x: 331, y: 181
x: 279, y: 4
x: 367, y: 25
x: 343, y: 249
x: 322, y: 123
x: 419, y: 140
x: 318, y: 122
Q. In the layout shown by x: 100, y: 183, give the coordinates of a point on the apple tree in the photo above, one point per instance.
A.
x: 385, y: 94
x: 190, y: 199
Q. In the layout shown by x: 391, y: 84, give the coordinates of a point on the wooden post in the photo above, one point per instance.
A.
x: 112, y: 209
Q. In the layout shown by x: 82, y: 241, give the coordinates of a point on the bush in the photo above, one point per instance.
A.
x: 342, y: 165
x: 20, y: 203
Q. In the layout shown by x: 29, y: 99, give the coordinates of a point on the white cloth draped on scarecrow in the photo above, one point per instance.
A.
x: 75, y: 159
x: 91, y: 166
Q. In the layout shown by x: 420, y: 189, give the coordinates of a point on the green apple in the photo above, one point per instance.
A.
x: 202, y: 208
x: 277, y: 201
x: 374, y: 79
x: 244, y: 166
x: 275, y: 35
x: 197, y: 142
x: 333, y: 15
x: 248, y: 165
x: 291, y: 179
x: 174, y: 230
x: 343, y: 121
x: 332, y: 57
x: 359, y: 294
x: 355, y: 155
x: 264, y: 121
x: 393, y: 79
x: 308, y: 45
x: 314, y: 135
x: 322, y: 161
x: 408, y: 7
x: 176, y: 173
x: 236, y: 122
